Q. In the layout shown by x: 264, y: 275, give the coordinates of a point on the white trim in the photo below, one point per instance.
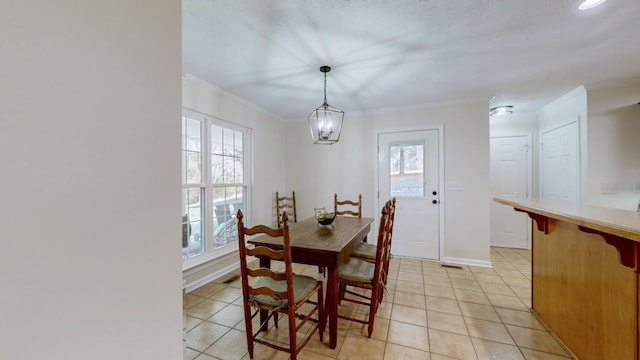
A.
x: 207, y: 279
x: 469, y: 262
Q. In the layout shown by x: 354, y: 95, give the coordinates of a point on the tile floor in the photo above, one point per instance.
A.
x: 430, y: 312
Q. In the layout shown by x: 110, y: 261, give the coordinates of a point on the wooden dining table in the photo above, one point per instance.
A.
x: 323, y: 245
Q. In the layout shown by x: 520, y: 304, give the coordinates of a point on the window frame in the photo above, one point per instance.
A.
x: 207, y: 122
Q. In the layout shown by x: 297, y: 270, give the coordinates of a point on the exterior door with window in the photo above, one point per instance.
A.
x: 408, y: 170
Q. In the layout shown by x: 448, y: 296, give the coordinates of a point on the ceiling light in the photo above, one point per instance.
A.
x: 501, y: 110
x: 588, y: 4
x: 326, y: 121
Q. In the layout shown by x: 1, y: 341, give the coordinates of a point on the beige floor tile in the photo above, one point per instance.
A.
x: 468, y: 284
x: 505, y: 301
x: 500, y: 289
x: 434, y: 271
x: 228, y: 295
x: 447, y: 322
x: 520, y: 318
x: 522, y: 291
x: 189, y: 354
x: 489, y: 350
x: 310, y: 355
x: 443, y: 305
x: 209, y: 289
x: 399, y: 352
x: 408, y: 335
x: 478, y: 311
x: 190, y: 322
x: 229, y: 316
x: 204, y: 335
x: 489, y: 279
x: 439, y: 291
x: 231, y: 346
x: 535, y: 339
x: 460, y: 274
x: 489, y: 330
x: 409, y: 299
x: 360, y: 347
x: 206, y: 308
x: 416, y: 268
x: 472, y: 296
x: 262, y: 352
x: 441, y: 357
x: 453, y: 345
x: 437, y: 280
x: 380, y: 329
x: 538, y: 355
x: 190, y: 300
x: 410, y: 287
x: 410, y: 276
x: 408, y: 314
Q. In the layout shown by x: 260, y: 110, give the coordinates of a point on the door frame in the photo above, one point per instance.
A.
x: 529, y: 137
x: 378, y: 203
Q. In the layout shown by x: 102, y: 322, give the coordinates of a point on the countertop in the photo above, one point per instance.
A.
x: 623, y: 223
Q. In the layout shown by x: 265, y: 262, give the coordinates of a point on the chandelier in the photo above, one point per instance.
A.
x: 326, y: 121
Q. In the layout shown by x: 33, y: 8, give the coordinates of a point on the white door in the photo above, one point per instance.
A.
x: 409, y: 170
x: 509, y: 168
x: 559, y: 165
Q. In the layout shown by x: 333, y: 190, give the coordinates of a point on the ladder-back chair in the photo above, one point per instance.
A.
x: 365, y: 275
x: 350, y: 204
x: 288, y: 204
x: 278, y: 292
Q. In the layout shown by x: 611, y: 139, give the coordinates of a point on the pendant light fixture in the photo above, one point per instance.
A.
x: 326, y: 121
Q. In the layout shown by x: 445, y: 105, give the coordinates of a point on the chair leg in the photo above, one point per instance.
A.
x: 293, y: 345
x: 321, y: 314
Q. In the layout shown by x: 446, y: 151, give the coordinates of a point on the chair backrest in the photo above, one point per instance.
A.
x: 349, y: 203
x: 285, y: 255
x: 286, y: 204
x: 382, y: 247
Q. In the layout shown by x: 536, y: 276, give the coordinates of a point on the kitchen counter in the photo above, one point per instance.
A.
x: 585, y: 275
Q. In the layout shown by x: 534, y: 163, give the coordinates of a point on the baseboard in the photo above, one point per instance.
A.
x: 469, y: 262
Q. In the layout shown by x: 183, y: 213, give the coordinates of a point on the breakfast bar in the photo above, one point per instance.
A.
x: 585, y: 262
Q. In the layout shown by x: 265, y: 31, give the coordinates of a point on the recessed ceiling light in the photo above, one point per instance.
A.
x: 501, y: 110
x: 588, y: 4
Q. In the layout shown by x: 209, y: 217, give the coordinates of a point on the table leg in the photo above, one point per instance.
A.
x: 331, y: 305
x: 264, y: 314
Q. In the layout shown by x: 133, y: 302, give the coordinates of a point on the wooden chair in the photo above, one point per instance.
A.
x: 288, y: 204
x: 367, y: 252
x: 348, y: 203
x: 365, y: 275
x: 277, y: 292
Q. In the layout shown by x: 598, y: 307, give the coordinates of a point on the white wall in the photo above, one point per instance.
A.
x: 349, y: 168
x: 269, y: 165
x: 89, y: 213
x: 571, y: 107
x: 614, y: 145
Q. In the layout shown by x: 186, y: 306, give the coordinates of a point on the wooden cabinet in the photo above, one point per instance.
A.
x: 585, y: 276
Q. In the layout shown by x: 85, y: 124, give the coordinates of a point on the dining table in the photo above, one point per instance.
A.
x: 326, y: 246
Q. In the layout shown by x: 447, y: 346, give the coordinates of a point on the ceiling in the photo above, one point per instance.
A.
x: 404, y: 53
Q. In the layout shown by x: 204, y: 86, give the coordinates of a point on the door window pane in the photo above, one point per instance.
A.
x: 406, y: 170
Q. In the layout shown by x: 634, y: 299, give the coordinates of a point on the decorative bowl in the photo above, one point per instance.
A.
x: 325, y: 218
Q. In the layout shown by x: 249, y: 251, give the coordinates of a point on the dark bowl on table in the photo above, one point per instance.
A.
x: 326, y: 219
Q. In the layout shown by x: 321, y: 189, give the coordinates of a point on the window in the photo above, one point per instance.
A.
x: 407, y: 170
x: 215, y: 183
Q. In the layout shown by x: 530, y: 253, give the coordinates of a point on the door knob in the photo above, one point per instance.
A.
x: 434, y: 193
x: 434, y: 201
